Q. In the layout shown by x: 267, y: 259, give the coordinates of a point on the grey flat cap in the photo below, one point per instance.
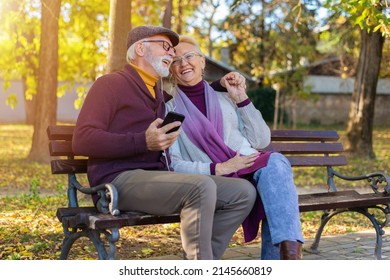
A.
x: 145, y: 31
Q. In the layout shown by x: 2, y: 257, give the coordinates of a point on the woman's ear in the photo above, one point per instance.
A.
x: 203, y: 64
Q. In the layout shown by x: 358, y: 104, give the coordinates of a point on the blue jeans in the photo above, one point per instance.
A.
x: 278, y: 193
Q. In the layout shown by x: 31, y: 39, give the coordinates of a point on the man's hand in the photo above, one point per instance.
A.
x: 157, y: 138
x: 234, y: 164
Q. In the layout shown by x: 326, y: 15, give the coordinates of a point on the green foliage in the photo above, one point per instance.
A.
x: 371, y: 15
x: 83, y: 34
x: 272, y: 38
x: 264, y: 99
x: 19, y: 44
x: 11, y: 100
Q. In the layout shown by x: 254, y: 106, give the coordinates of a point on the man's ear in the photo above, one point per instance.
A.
x: 140, y: 49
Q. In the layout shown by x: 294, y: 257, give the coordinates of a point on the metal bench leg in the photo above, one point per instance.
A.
x: 326, y: 216
x: 378, y: 226
x: 112, y: 236
x: 72, y: 236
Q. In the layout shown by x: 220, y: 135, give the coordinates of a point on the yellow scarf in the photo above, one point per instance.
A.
x: 149, y: 79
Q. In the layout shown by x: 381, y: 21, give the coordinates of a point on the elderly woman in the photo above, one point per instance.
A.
x: 222, y: 135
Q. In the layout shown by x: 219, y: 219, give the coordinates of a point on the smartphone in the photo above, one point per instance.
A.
x: 172, y: 117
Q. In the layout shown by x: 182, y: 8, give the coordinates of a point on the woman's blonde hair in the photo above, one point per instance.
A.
x: 190, y: 40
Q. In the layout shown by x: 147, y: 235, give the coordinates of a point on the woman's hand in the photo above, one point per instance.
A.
x: 233, y: 79
x: 234, y: 164
x: 235, y: 84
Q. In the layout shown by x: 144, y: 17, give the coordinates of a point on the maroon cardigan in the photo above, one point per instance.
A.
x: 111, y: 126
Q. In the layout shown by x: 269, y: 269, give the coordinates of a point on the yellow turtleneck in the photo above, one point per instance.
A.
x: 149, y: 79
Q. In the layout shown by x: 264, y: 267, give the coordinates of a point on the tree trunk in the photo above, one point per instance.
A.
x: 276, y: 111
x: 293, y: 112
x: 361, y: 113
x: 167, y: 18
x: 46, y: 113
x: 119, y: 26
x: 179, y: 25
x: 262, y: 36
x: 282, y: 107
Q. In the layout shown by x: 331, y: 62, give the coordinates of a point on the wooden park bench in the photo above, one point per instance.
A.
x: 304, y: 148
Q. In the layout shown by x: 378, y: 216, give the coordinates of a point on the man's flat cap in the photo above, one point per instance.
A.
x: 145, y: 31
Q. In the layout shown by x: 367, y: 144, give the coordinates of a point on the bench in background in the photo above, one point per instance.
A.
x: 304, y: 148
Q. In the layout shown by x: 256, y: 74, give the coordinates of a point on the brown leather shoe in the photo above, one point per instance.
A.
x: 290, y: 250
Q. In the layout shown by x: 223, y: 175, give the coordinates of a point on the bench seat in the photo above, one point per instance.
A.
x: 78, y: 217
x: 303, y: 148
x: 340, y: 199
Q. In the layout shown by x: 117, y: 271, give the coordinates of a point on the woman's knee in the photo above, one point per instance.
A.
x: 278, y: 159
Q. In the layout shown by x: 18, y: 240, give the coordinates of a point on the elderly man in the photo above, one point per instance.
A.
x: 119, y: 129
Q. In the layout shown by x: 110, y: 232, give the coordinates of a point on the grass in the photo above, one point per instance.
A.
x: 30, y: 195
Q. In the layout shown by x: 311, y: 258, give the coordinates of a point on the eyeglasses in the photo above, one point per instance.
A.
x: 166, y: 46
x: 188, y: 57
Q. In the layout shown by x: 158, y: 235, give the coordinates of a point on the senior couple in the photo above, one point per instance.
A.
x: 210, y: 171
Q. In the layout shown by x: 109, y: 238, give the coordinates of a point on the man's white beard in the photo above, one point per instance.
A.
x: 157, y: 63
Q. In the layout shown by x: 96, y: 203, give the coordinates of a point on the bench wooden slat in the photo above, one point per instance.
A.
x: 305, y: 148
x: 72, y: 211
x: 304, y: 135
x: 88, y: 216
x: 102, y: 221
x: 61, y: 148
x: 340, y: 199
x: 60, y: 132
x: 302, y: 161
x: 66, y: 166
x: 64, y: 148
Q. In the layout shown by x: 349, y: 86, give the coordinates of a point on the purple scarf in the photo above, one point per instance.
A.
x: 207, y: 135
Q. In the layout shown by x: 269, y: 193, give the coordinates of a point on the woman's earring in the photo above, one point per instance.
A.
x: 202, y: 72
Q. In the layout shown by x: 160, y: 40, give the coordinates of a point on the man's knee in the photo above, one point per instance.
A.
x: 203, y: 187
x: 246, y: 191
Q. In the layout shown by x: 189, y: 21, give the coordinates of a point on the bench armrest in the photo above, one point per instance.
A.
x: 108, y: 195
x: 108, y: 201
x: 379, y: 181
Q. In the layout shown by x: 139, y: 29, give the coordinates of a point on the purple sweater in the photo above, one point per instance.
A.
x: 111, y: 126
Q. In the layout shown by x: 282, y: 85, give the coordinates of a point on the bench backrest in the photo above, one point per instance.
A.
x: 308, y: 147
x: 301, y: 147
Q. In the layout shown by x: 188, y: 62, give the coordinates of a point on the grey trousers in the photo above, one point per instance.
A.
x: 211, y: 207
